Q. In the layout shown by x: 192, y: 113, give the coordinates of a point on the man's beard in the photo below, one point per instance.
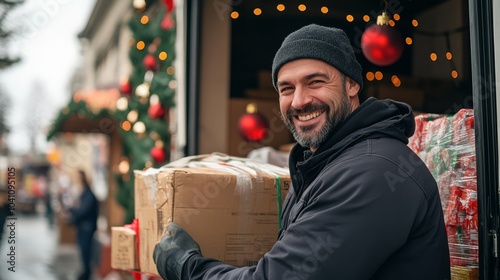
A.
x: 315, y: 140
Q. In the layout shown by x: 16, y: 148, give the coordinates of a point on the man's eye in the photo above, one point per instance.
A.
x: 284, y: 89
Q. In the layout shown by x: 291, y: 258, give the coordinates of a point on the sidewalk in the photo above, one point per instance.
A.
x: 38, y: 255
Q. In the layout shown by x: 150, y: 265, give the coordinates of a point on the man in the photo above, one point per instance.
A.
x: 362, y: 206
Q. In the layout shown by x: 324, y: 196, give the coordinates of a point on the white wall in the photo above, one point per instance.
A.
x: 214, y: 80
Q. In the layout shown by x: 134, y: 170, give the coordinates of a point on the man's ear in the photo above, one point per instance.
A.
x: 352, y: 87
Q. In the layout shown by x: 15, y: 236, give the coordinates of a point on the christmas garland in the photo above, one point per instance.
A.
x: 146, y: 96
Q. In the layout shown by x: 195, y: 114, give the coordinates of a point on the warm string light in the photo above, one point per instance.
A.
x: 140, y: 45
x: 433, y: 56
x: 396, y: 81
x: 162, y: 55
x: 370, y: 76
x: 378, y: 75
x: 282, y: 8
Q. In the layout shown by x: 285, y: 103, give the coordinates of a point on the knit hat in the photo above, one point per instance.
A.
x: 327, y: 44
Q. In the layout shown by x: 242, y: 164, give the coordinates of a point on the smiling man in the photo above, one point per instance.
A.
x: 362, y: 206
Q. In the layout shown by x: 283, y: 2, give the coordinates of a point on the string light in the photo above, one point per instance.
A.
x: 132, y: 116
x: 162, y: 55
x: 126, y: 125
x: 171, y: 70
x: 433, y: 56
x: 140, y: 45
x: 172, y: 84
x: 122, y: 103
x: 370, y: 76
x: 139, y: 128
x: 396, y: 81
x: 124, y: 166
x: 144, y: 19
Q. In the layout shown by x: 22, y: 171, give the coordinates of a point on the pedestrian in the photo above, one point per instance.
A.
x: 362, y: 206
x: 84, y: 217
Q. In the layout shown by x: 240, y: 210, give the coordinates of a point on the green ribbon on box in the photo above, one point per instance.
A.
x: 280, y: 203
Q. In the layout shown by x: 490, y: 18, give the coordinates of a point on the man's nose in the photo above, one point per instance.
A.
x: 301, y: 98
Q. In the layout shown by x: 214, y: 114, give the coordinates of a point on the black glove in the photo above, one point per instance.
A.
x: 172, y: 252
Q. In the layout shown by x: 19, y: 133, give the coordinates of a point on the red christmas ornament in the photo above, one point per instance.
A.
x: 382, y: 44
x: 253, y: 127
x: 169, y: 4
x: 126, y: 88
x: 155, y: 111
x: 167, y: 22
x: 158, y: 154
x: 149, y: 62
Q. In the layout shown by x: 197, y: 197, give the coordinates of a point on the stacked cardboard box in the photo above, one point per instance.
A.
x: 124, y: 249
x: 229, y: 205
x: 446, y: 144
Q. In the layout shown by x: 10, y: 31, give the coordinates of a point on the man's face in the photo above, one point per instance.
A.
x: 314, y: 98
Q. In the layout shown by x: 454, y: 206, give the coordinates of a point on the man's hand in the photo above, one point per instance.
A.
x: 172, y: 252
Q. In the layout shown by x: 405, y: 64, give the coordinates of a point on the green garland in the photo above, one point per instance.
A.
x: 136, y: 147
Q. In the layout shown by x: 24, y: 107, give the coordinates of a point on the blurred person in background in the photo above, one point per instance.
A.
x: 84, y: 217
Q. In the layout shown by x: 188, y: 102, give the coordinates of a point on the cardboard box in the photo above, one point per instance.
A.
x: 464, y: 273
x: 123, y: 249
x: 233, y: 215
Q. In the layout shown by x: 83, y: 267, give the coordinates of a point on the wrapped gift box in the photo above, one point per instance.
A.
x: 230, y: 206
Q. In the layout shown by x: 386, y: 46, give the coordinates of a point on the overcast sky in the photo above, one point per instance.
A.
x: 38, y: 87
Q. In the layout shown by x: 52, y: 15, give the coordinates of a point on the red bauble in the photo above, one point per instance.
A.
x: 253, y: 127
x: 126, y: 88
x: 155, y: 111
x: 167, y: 22
x: 158, y: 154
x: 150, y: 63
x: 169, y: 4
x: 382, y: 45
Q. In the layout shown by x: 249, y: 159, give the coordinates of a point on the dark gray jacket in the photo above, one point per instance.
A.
x: 363, y: 206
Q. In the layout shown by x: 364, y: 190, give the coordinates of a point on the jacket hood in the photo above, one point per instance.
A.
x: 372, y: 119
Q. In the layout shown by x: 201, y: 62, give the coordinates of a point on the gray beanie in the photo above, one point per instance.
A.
x: 330, y: 45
